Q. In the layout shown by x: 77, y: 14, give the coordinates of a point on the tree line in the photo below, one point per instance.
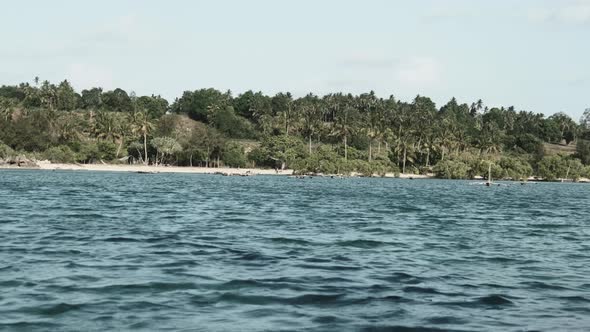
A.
x: 334, y: 133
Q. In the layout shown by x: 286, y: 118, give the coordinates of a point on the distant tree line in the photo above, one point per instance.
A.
x: 335, y: 133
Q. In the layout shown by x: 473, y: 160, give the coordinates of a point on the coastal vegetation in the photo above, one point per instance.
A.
x: 334, y: 134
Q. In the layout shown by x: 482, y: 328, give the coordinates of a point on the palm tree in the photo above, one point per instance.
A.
x: 105, y: 126
x: 310, y: 112
x: 142, y: 126
x: 7, y: 107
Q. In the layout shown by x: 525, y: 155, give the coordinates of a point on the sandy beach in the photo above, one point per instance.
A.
x: 46, y: 165
x: 160, y: 169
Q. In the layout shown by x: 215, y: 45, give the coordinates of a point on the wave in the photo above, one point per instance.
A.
x: 50, y: 310
x: 120, y: 239
x: 363, y: 244
x: 543, y: 285
x: 330, y: 267
x: 494, y: 300
x: 422, y: 290
x: 138, y: 288
x: 400, y: 328
x: 30, y: 326
x: 306, y: 299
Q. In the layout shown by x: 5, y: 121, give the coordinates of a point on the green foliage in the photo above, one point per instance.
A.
x: 324, y: 160
x: 60, y: 154
x: 154, y: 106
x: 106, y: 150
x: 583, y: 151
x: 166, y: 146
x: 117, y: 101
x: 575, y: 169
x: 528, y: 143
x: 282, y: 150
x: 227, y: 122
x: 198, y: 104
x: 91, y: 99
x: 515, y: 169
x: 233, y: 155
x: 67, y: 99
x: 260, y: 158
x: 86, y: 151
x: 253, y: 106
x: 451, y: 169
x: 5, y: 151
x: 338, y: 132
x: 327, y: 160
x: 553, y: 167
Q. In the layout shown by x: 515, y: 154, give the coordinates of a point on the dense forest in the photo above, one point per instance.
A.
x: 335, y: 134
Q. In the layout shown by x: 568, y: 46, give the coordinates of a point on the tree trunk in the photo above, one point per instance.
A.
x: 442, y: 158
x: 428, y: 157
x: 379, y: 147
x: 404, y: 162
x: 119, y: 147
x: 370, y: 150
x: 140, y: 156
x: 145, y: 148
x: 218, y: 161
x: 207, y: 160
x: 310, y: 144
x: 191, y: 160
x: 345, y: 149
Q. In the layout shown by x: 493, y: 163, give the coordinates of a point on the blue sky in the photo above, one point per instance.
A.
x: 532, y: 54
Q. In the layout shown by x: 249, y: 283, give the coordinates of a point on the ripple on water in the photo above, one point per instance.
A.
x: 118, y: 251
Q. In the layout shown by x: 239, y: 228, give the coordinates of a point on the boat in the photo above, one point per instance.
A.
x: 489, y: 181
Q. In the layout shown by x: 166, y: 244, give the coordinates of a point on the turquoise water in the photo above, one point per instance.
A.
x: 84, y: 251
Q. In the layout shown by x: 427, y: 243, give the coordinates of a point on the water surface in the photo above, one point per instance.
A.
x: 125, y: 251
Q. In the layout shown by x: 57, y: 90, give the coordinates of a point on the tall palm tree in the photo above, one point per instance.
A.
x: 310, y: 112
x: 142, y: 125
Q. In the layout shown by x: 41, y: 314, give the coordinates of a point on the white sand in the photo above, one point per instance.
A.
x: 46, y: 165
x: 159, y: 169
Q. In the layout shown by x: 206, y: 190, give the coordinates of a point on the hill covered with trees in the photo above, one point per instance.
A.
x: 335, y: 133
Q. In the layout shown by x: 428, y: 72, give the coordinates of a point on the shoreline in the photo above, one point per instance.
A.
x: 230, y: 171
x: 160, y: 169
x: 45, y: 165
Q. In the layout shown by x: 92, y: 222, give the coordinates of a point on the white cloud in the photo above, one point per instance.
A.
x: 85, y: 76
x: 573, y: 12
x: 418, y: 71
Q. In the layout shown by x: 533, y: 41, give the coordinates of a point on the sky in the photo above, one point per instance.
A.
x: 531, y: 54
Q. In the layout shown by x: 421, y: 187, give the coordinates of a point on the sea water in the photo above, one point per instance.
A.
x: 96, y: 251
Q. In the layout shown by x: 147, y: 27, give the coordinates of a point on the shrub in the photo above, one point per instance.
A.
x: 106, y: 150
x: 451, y: 169
x: 233, y: 155
x: 5, y: 151
x: 60, y: 154
x: 515, y: 169
x: 552, y: 167
x: 575, y: 169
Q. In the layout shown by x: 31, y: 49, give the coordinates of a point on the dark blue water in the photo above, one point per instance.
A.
x: 84, y: 251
